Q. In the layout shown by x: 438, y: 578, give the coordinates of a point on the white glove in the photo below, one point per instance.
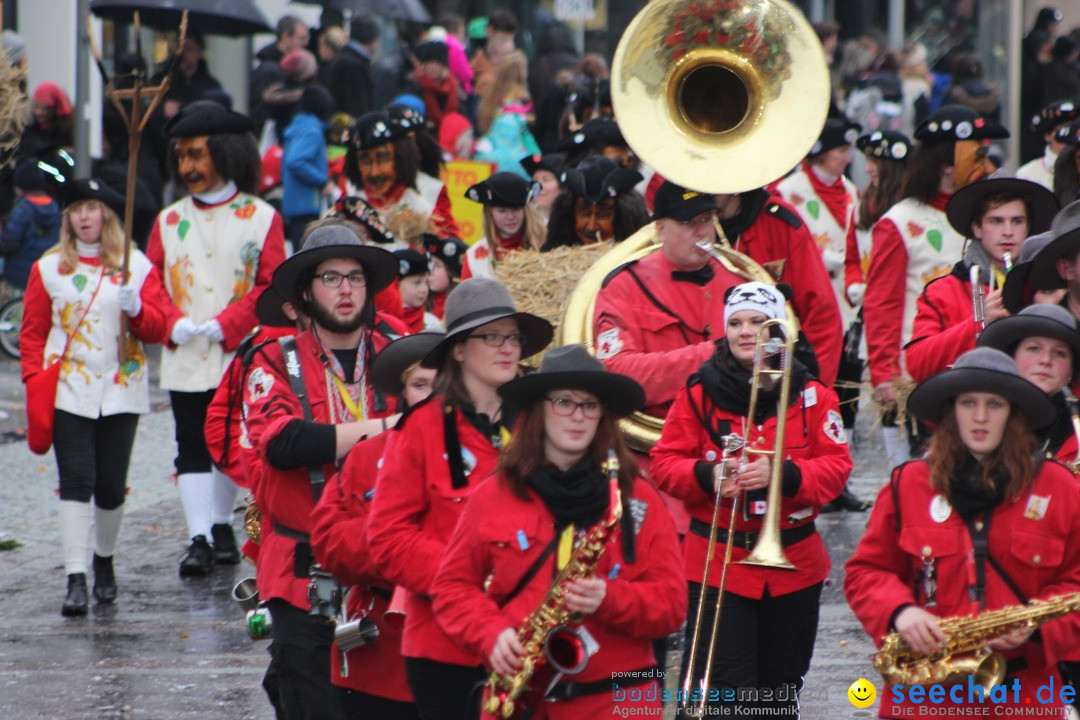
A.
x: 211, y: 330
x: 183, y: 331
x: 855, y: 293
x: 128, y: 297
x: 833, y: 260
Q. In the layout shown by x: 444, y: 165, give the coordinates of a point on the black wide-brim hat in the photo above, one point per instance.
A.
x: 983, y: 370
x: 1065, y: 242
x: 76, y: 191
x: 552, y: 162
x: 396, y: 358
x: 206, y: 117
x: 1049, y: 321
x: 268, y: 310
x: 1017, y: 292
x: 1041, y: 204
x: 958, y: 122
x: 479, y: 301
x: 571, y: 367
x: 885, y: 145
x: 597, y: 178
x: 327, y: 243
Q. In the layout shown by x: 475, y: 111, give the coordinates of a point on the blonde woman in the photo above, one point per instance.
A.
x: 503, y: 116
x: 511, y: 222
x: 74, y: 302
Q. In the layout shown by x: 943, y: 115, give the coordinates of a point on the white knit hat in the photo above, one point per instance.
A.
x: 765, y: 299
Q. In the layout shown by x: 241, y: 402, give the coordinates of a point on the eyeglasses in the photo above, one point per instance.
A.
x: 566, y: 407
x: 333, y: 279
x: 498, y: 340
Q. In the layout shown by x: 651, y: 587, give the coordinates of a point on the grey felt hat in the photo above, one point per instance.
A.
x: 986, y: 370
x: 329, y: 242
x: 571, y: 367
x: 1064, y: 242
x: 1050, y: 321
x: 479, y: 301
x: 1017, y: 291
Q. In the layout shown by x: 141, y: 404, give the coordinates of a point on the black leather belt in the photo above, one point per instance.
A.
x: 571, y: 690
x: 288, y: 532
x: 747, y: 539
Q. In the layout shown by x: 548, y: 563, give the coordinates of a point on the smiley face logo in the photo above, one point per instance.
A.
x: 861, y: 693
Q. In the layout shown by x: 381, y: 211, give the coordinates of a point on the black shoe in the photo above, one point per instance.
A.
x: 77, y: 602
x: 104, y: 580
x: 225, y: 550
x: 846, y: 501
x: 198, y: 559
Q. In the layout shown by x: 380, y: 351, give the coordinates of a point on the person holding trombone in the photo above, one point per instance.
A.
x: 804, y: 453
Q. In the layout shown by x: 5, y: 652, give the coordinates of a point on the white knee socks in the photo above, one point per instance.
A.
x: 107, y: 530
x: 225, y: 492
x: 75, y: 521
x: 197, y: 497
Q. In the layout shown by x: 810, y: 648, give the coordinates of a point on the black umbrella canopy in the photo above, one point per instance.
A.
x: 413, y: 10
x: 210, y: 17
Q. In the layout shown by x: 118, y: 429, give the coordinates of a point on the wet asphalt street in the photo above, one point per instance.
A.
x: 173, y: 649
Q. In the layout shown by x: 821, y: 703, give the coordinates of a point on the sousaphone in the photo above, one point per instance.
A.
x: 719, y: 96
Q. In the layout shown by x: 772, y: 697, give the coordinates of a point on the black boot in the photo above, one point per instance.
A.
x: 846, y: 500
x: 104, y: 580
x: 76, y: 602
x: 225, y: 550
x: 198, y: 560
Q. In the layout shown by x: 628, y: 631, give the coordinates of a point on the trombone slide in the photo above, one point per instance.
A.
x: 978, y: 297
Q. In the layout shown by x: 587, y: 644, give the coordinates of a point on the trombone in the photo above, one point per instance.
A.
x: 768, y: 551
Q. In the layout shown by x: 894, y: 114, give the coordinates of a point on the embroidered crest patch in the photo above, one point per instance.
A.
x: 259, y: 384
x: 1036, y: 507
x: 834, y: 428
x: 608, y: 344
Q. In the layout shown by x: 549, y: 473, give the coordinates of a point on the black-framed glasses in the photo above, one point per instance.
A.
x: 498, y: 339
x: 566, y: 407
x: 333, y: 279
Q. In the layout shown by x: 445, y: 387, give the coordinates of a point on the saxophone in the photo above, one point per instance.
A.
x: 554, y: 649
x: 965, y: 652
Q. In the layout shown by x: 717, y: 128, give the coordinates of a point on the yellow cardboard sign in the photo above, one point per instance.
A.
x: 459, y: 176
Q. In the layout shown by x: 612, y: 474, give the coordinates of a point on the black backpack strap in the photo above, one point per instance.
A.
x: 530, y: 573
x: 296, y: 382
x: 453, y: 448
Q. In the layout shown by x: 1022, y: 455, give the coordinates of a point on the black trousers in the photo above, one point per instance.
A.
x: 360, y: 706
x: 762, y: 644
x: 444, y: 691
x: 300, y: 666
x: 189, y: 414
x: 93, y: 456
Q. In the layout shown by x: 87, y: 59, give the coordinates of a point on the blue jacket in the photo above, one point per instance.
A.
x: 31, y: 229
x: 304, y: 168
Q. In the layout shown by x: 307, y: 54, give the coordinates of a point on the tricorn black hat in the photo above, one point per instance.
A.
x: 503, y: 189
x: 597, y: 178
x: 75, y: 191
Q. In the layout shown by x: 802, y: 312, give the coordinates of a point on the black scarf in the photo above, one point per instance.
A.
x: 750, y: 206
x: 971, y: 498
x: 1058, y: 432
x: 578, y: 495
x: 726, y: 381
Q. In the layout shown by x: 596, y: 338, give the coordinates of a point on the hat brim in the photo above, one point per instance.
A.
x: 1042, y: 205
x: 381, y: 266
x: 928, y: 399
x: 689, y: 209
x: 396, y: 357
x: 1004, y: 333
x: 620, y: 394
x: 268, y: 310
x: 538, y: 334
x: 1044, y: 270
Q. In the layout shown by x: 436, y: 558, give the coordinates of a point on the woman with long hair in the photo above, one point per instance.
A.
x: 440, y: 450
x: 984, y: 521
x: 72, y: 312
x: 762, y: 608
x: 521, y: 526
x: 503, y: 117
x: 511, y: 222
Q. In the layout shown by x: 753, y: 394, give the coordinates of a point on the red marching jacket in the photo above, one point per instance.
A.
x: 339, y: 541
x: 501, y: 535
x: 945, y: 326
x: 414, y: 512
x: 285, y: 496
x: 816, y: 458
x: 1034, y: 539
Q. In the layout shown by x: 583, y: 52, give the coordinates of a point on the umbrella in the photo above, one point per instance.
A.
x: 413, y: 10
x: 210, y: 17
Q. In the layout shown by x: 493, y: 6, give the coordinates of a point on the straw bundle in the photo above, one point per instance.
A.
x: 14, y: 108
